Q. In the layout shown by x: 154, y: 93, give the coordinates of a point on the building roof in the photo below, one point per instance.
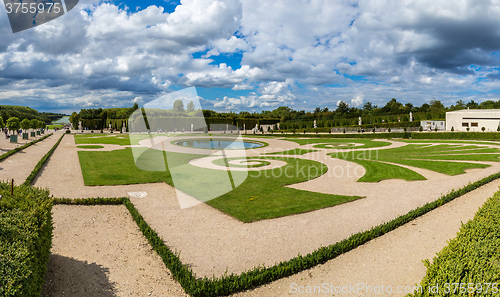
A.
x: 474, y: 111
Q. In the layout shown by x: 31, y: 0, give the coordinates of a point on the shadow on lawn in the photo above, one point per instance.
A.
x: 69, y: 277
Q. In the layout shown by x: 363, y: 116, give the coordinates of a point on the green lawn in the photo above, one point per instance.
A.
x: 261, y: 195
x: 450, y: 141
x: 437, y: 158
x: 55, y: 126
x: 119, y: 138
x: 339, y: 143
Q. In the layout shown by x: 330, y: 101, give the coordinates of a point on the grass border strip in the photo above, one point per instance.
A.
x: 17, y: 149
x: 40, y: 163
x: 230, y: 284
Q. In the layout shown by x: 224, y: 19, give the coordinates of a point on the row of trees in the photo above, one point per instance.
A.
x: 393, y: 112
x: 23, y: 112
x: 14, y: 124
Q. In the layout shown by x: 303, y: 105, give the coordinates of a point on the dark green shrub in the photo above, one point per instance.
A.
x: 471, y: 257
x: 483, y: 128
x: 68, y: 131
x: 452, y: 129
x: 25, y: 239
x: 420, y: 128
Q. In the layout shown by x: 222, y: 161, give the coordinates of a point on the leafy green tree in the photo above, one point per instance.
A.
x: 178, y: 105
x: 25, y: 124
x: 73, y: 119
x: 190, y: 106
x: 34, y: 124
x: 436, y: 106
x: 13, y: 124
x: 2, y: 124
x: 342, y: 108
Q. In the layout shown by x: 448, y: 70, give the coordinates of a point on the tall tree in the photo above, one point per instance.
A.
x: 13, y: 124
x: 178, y: 105
x: 342, y: 108
x: 190, y: 106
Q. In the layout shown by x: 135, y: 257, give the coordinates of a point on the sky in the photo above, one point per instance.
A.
x: 253, y: 55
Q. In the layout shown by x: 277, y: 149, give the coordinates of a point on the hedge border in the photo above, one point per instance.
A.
x: 17, y: 149
x: 40, y: 163
x: 492, y: 136
x: 230, y: 284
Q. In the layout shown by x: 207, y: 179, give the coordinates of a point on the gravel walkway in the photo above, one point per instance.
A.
x: 20, y: 165
x: 392, y: 261
x: 100, y: 251
x: 213, y: 242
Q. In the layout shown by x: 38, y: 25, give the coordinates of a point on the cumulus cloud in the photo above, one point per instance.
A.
x: 292, y: 51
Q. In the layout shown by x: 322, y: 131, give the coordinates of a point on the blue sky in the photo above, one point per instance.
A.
x: 254, y: 54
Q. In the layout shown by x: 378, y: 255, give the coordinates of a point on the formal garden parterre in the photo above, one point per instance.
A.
x: 287, y: 200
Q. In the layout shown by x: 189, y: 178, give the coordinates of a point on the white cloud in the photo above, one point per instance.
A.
x: 293, y: 51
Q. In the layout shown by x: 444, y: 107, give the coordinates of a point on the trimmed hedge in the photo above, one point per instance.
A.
x: 40, y: 163
x: 457, y: 135
x: 25, y: 239
x: 472, y: 257
x: 230, y: 284
x: 89, y: 201
x: 17, y: 149
x: 351, y: 135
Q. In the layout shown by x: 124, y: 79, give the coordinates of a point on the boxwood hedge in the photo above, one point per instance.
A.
x: 25, y: 239
x: 470, y: 263
x: 229, y: 284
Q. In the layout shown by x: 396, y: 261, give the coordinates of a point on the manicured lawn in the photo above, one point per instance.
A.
x: 377, y: 171
x: 450, y: 141
x: 261, y: 195
x: 296, y: 152
x: 339, y: 143
x: 437, y: 158
x: 54, y: 126
x: 102, y: 139
x: 90, y: 146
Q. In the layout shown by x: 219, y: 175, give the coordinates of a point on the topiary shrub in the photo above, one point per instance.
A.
x: 67, y: 131
x: 420, y: 129
x: 452, y: 129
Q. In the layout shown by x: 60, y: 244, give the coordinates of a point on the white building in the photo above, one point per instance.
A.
x: 474, y: 119
x: 431, y: 125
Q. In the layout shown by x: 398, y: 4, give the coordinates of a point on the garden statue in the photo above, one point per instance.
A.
x: 360, y: 122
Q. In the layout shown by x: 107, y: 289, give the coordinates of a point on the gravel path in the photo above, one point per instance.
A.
x: 100, y: 251
x: 213, y: 242
x: 392, y: 261
x: 20, y: 165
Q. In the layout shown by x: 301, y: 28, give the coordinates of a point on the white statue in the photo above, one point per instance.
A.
x: 411, y: 117
x: 360, y: 122
x: 315, y: 126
